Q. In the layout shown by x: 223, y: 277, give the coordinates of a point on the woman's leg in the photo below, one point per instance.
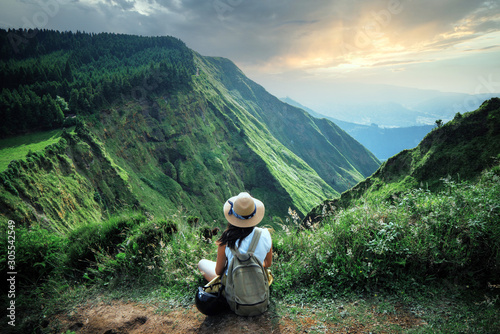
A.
x: 207, y: 268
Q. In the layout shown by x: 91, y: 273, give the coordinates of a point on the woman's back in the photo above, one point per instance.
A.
x: 263, y: 247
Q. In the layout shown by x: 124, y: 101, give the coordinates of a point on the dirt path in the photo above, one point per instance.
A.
x: 119, y: 317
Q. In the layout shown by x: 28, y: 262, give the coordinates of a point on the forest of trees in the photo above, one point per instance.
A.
x: 48, y: 77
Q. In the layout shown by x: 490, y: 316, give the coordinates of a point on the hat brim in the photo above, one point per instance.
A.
x: 256, y: 219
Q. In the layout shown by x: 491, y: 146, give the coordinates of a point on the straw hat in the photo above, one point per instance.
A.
x: 243, y: 210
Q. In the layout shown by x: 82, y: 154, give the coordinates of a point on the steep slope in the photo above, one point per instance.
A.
x: 459, y: 150
x: 339, y: 159
x: 67, y: 183
x: 196, y: 150
x: 192, y: 159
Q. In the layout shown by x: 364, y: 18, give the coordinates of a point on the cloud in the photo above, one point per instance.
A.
x: 490, y: 47
x: 416, y: 32
x: 398, y: 62
x: 124, y: 4
x: 289, y: 38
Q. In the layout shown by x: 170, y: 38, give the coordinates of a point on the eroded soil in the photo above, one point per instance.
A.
x: 126, y: 317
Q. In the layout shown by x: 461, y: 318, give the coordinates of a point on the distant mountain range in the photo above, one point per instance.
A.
x: 393, y: 106
x: 388, y: 119
x: 383, y: 142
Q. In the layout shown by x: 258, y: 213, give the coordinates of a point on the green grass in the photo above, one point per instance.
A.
x: 68, y: 183
x: 17, y: 148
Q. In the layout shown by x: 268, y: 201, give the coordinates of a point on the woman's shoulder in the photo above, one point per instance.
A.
x: 265, y: 232
x: 266, y: 237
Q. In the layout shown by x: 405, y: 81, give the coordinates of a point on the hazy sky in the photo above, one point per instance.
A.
x: 307, y: 50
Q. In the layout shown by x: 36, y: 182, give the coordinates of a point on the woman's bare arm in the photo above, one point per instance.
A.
x: 268, y: 261
x: 221, y: 260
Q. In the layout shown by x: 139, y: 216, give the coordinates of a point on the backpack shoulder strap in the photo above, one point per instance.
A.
x: 255, y: 240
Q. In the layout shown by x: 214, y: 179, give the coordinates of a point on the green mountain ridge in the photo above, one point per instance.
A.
x: 338, y: 158
x: 458, y: 150
x: 151, y: 137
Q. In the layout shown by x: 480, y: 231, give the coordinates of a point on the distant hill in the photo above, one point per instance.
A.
x: 446, y: 105
x: 395, y: 106
x: 160, y: 129
x: 460, y: 150
x: 383, y: 142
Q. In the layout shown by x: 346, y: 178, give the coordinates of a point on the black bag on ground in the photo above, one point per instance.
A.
x: 210, y: 300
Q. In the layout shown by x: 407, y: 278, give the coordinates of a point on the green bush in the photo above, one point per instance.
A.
x: 106, y: 237
x: 4, y: 178
x: 126, y: 244
x: 149, y: 237
x: 38, y: 252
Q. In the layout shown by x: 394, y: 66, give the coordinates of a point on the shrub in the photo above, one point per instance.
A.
x: 37, y: 253
x: 4, y: 178
x: 106, y: 237
x: 150, y: 236
x: 192, y: 220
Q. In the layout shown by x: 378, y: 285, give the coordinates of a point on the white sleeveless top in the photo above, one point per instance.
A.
x: 263, y: 246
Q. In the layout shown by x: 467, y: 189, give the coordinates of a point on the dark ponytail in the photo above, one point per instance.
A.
x: 232, y: 234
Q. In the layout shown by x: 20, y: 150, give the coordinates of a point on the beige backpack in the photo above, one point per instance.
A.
x: 246, y: 284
